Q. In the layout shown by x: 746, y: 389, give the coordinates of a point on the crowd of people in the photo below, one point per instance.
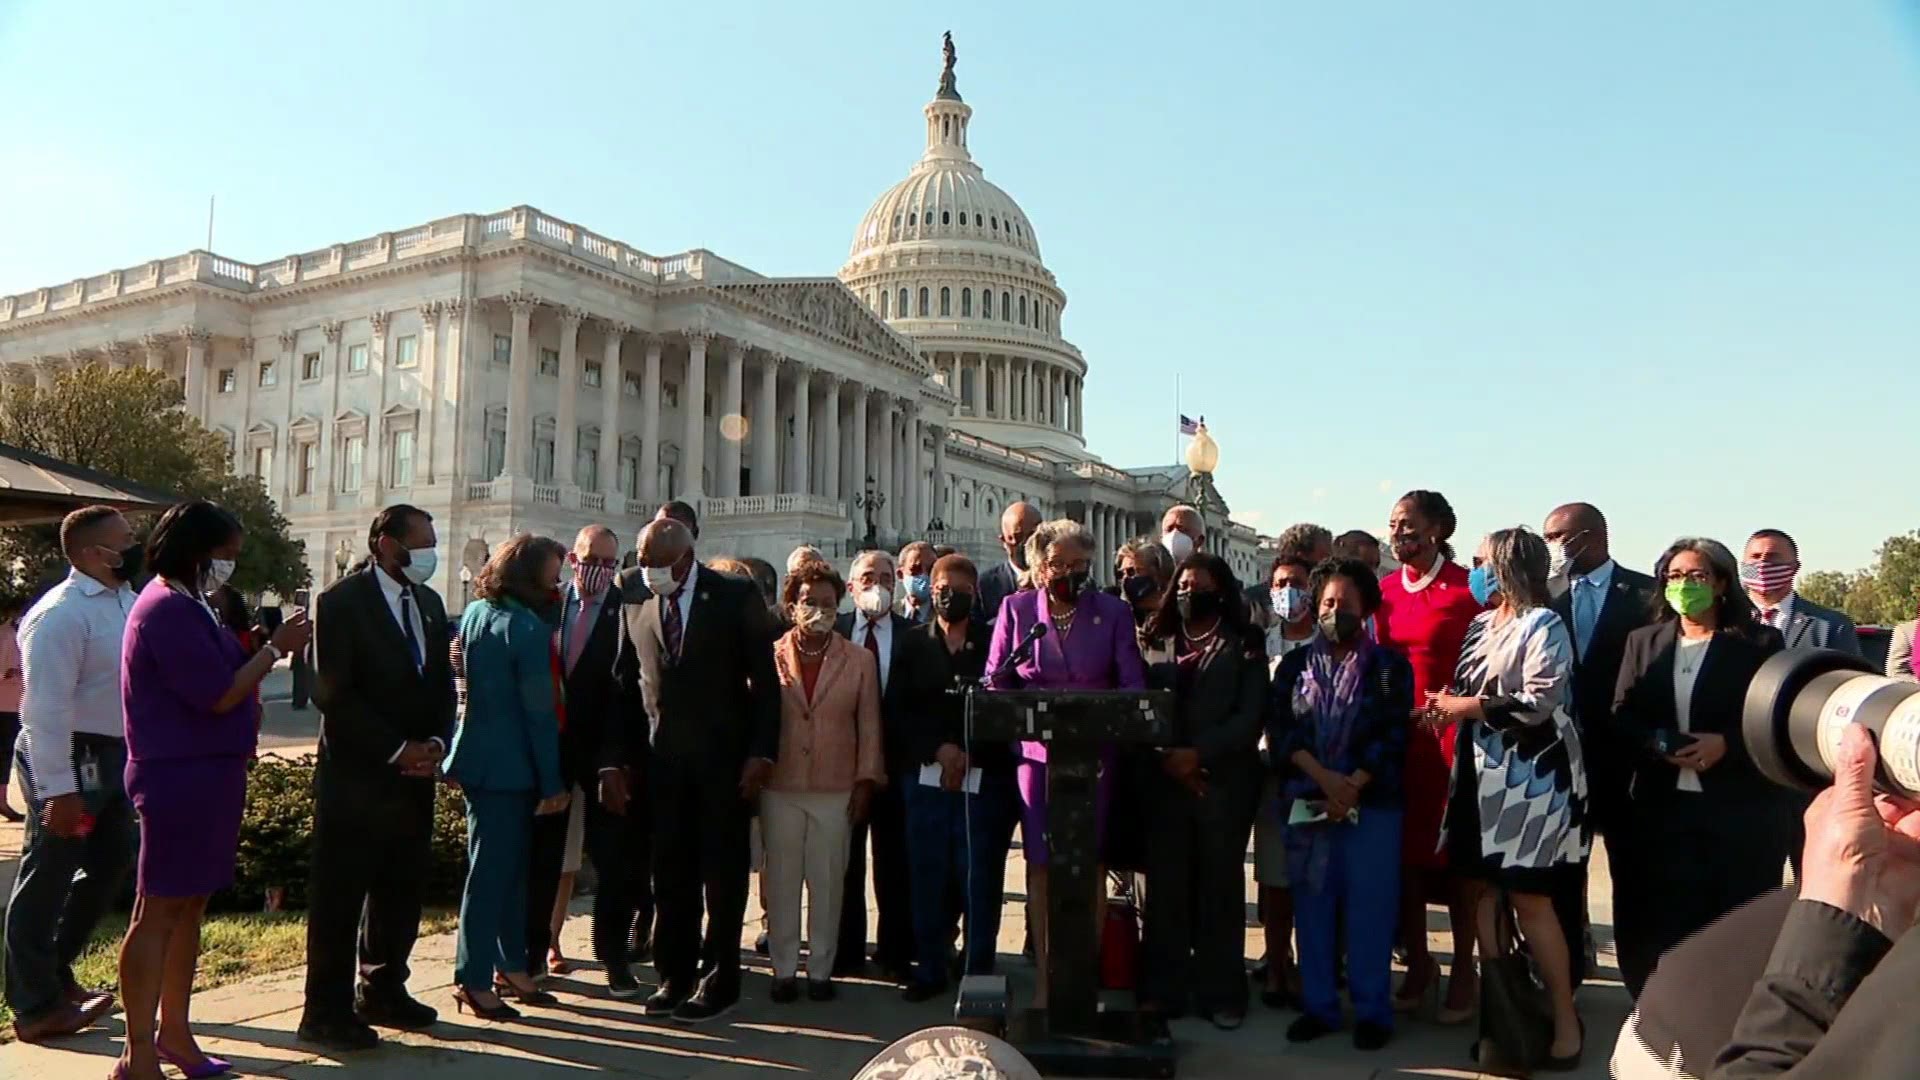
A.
x: 1391, y: 730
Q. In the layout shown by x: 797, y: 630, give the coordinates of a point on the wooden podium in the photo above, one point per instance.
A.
x: 1074, y: 1036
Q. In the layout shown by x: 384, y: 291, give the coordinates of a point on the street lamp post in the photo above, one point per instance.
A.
x: 341, y: 557
x: 1203, y: 457
x: 870, y: 501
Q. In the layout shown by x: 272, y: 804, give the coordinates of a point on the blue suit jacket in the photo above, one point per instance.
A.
x: 509, y: 734
x: 1810, y: 626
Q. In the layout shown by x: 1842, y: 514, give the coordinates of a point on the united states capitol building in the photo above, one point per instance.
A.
x: 514, y: 371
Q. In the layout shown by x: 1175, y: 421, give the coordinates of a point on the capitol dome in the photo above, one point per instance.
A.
x: 950, y: 260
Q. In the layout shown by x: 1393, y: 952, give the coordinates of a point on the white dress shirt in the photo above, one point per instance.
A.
x: 1688, y: 655
x: 1782, y: 611
x: 1589, y: 597
x: 70, y: 664
x: 883, y: 629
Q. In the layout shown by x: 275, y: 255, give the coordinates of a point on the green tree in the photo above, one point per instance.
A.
x: 129, y: 424
x: 1828, y: 588
x: 1882, y: 595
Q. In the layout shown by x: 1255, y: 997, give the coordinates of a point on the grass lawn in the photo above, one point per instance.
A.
x: 232, y: 947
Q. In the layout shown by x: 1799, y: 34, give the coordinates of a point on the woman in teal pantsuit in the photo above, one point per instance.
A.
x: 506, y: 759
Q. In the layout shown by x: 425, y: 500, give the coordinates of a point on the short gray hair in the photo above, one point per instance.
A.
x: 1052, y: 532
x: 1151, y: 555
x: 1518, y: 558
x: 872, y: 555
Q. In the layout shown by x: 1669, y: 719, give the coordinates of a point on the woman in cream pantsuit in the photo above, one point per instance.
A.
x: 824, y: 781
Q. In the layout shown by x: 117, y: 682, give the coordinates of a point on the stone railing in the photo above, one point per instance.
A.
x: 995, y: 450
x: 976, y: 330
x: 1093, y: 470
x: 549, y: 494
x: 595, y: 501
x: 763, y: 505
x: 962, y: 538
x: 480, y: 491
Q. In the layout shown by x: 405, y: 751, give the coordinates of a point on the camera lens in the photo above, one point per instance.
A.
x: 1800, y: 703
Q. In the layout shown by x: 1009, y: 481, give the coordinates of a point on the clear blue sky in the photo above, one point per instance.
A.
x: 1661, y: 256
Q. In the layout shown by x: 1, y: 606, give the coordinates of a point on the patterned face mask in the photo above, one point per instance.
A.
x: 1766, y: 578
x: 592, y: 578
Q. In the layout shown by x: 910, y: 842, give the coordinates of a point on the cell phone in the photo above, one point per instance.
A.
x: 302, y: 597
x: 1668, y: 743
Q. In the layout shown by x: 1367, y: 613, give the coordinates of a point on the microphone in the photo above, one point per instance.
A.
x: 1034, y: 634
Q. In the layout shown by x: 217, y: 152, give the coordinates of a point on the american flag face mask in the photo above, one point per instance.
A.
x: 1766, y: 577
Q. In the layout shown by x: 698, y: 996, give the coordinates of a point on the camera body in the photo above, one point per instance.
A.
x: 1800, y: 703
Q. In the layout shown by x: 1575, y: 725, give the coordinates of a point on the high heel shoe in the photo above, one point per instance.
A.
x: 208, y: 1068
x: 505, y: 988
x: 463, y: 1001
x: 1428, y: 999
x: 1571, y: 1061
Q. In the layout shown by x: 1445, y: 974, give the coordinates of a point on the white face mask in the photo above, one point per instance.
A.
x: 1559, y: 558
x: 661, y: 581
x: 1178, y: 544
x: 219, y: 571
x: 1291, y: 603
x: 421, y: 563
x: 812, y: 620
x: 874, y: 601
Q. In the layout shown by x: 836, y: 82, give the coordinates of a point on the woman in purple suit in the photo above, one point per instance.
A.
x: 190, y: 697
x: 1088, y: 645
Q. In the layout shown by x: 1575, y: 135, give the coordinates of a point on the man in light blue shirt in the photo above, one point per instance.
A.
x: 70, y: 756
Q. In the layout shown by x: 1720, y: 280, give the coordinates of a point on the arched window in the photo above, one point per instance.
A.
x: 946, y: 302
x: 883, y: 303
x: 996, y: 223
x: 966, y: 303
x: 1006, y: 306
x: 903, y: 309
x: 929, y: 217
x: 986, y: 303
x: 923, y: 301
x: 946, y: 217
x: 1023, y: 310
x: 977, y: 222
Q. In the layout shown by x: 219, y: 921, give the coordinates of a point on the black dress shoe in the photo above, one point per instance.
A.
x: 845, y: 968
x: 784, y: 992
x: 1369, y: 1036
x: 707, y: 1003
x: 915, y: 993
x: 622, y: 985
x: 761, y: 945
x: 395, y: 1011
x: 1307, y: 1029
x: 665, y: 1000
x: 821, y: 990
x: 346, y: 1035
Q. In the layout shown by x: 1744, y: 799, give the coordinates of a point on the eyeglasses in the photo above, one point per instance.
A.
x: 1697, y: 577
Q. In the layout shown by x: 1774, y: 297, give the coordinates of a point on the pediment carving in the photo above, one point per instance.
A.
x: 828, y: 308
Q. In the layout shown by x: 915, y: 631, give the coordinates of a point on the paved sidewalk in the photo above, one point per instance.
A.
x: 252, y: 1024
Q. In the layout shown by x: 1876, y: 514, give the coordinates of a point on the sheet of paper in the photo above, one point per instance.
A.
x: 930, y: 777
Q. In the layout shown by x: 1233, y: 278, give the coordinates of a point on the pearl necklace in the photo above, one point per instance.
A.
x: 800, y: 646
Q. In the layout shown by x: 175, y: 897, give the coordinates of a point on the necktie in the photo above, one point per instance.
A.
x: 1769, y: 615
x: 873, y: 646
x: 577, y: 636
x: 1584, y: 615
x: 406, y: 627
x: 670, y: 627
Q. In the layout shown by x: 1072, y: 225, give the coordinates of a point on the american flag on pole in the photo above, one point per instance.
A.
x: 1188, y: 425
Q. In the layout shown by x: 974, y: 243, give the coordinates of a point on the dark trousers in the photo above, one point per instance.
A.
x: 700, y: 851
x: 1194, y: 938
x: 1686, y: 860
x: 546, y: 856
x: 51, y: 916
x: 372, y: 846
x: 1570, y: 908
x: 9, y: 732
x: 958, y: 843
x: 892, y: 883
x: 621, y: 847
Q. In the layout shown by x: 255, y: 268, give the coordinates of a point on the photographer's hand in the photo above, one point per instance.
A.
x: 1863, y: 850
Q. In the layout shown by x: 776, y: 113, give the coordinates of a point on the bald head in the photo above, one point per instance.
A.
x: 596, y: 542
x: 665, y: 542
x: 1016, y: 524
x: 1186, y: 519
x: 1582, y: 529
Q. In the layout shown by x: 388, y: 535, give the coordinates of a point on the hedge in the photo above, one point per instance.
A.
x: 276, y: 839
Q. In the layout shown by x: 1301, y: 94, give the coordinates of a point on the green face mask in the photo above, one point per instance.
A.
x: 1689, y: 598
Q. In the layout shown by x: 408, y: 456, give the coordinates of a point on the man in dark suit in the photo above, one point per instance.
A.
x: 589, y: 641
x: 384, y: 684
x: 910, y: 683
x: 1002, y: 579
x: 1601, y: 602
x: 696, y: 657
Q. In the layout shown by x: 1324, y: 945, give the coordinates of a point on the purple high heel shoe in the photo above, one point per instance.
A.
x: 208, y: 1069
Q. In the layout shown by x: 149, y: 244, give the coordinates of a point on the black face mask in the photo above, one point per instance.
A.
x: 1070, y: 586
x: 132, y: 561
x: 1018, y: 555
x: 952, y: 606
x: 1340, y: 627
x: 1203, y: 604
x: 1138, y: 589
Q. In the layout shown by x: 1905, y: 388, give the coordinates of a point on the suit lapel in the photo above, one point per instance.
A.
x: 1799, y: 629
x: 385, y: 625
x: 832, y: 667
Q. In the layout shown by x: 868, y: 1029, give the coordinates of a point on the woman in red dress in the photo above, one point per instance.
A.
x: 1425, y: 608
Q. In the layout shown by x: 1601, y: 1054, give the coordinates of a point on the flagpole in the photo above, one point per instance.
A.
x: 1177, y: 414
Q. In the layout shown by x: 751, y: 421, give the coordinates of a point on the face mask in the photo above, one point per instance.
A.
x: 1481, y: 583
x: 1766, y: 578
x: 953, y: 606
x: 812, y: 620
x: 420, y: 564
x: 219, y: 572
x: 1291, y: 604
x: 1559, y: 559
x: 874, y: 601
x: 591, y: 578
x: 660, y: 580
x: 132, y: 560
x: 1017, y: 554
x: 1339, y: 627
x: 1068, y: 587
x: 1178, y: 544
x: 1138, y: 589
x: 920, y: 587
x: 1689, y: 598
x: 1204, y: 604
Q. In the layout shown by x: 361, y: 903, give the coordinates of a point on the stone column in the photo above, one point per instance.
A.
x: 834, y: 461
x: 859, y: 464
x: 423, y: 473
x: 693, y: 409
x: 157, y: 351
x: 799, y: 470
x: 612, y: 386
x: 520, y: 388
x: 120, y: 356
x: 454, y: 384
x: 198, y: 342
x: 766, y: 428
x: 1056, y: 415
x: 939, y: 482
x: 650, y: 423
x: 727, y: 484
x: 917, y: 485
x: 889, y: 439
x: 566, y: 417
